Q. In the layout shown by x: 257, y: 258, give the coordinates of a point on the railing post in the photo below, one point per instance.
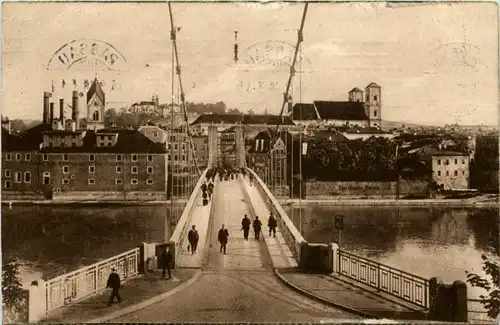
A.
x: 378, y: 277
x: 340, y: 262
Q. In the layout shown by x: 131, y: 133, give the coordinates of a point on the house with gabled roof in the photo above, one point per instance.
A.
x: 362, y: 109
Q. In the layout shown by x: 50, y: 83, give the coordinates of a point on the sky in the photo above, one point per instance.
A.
x: 437, y: 64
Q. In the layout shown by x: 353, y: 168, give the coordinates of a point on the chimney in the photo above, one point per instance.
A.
x: 61, y: 109
x: 51, y: 114
x: 75, y: 114
x: 46, y: 99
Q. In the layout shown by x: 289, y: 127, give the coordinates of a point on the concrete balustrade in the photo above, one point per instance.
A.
x: 182, y: 227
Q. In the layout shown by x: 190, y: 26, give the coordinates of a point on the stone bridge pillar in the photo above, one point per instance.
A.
x: 212, y: 145
x: 239, y: 146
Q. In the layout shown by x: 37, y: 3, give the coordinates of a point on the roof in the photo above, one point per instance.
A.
x: 268, y: 135
x: 329, y: 110
x: 145, y: 103
x: 34, y: 136
x: 372, y: 84
x: 129, y: 141
x: 449, y: 153
x: 330, y: 135
x: 356, y: 89
x: 243, y: 119
x: 304, y: 112
x: 96, y: 89
x: 364, y: 130
x: 427, y: 152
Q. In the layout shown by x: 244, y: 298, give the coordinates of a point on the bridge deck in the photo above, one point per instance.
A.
x: 200, y: 217
x: 279, y: 251
x: 230, y: 206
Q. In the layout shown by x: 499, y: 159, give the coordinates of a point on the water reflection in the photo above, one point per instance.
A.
x: 50, y: 241
x: 424, y: 241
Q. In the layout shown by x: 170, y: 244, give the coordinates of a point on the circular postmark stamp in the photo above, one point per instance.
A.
x: 456, y: 55
x: 87, y: 54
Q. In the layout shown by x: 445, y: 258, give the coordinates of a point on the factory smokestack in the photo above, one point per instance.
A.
x: 51, y: 116
x: 61, y: 109
x: 75, y: 115
x: 46, y: 99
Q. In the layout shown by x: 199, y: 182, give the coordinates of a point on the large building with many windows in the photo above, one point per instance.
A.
x: 58, y: 159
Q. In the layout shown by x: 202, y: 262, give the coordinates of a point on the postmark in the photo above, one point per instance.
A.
x: 456, y: 55
x: 87, y: 54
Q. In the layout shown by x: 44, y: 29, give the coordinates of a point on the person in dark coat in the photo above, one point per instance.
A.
x: 114, y: 284
x: 193, y: 238
x: 204, y: 187
x: 223, y: 237
x: 245, y: 226
x: 210, y: 190
x: 272, y: 223
x: 166, y: 263
x: 257, y: 226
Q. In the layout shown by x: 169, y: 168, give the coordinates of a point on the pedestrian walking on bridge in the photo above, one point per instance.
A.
x: 114, y: 284
x: 272, y: 223
x: 193, y: 238
x: 223, y: 239
x: 245, y: 226
x: 257, y: 226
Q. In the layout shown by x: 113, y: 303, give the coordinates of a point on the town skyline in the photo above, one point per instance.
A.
x: 419, y: 85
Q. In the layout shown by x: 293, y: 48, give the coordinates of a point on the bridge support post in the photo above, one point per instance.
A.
x: 37, y: 301
x: 448, y: 302
x: 239, y: 146
x: 334, y: 256
x: 212, y: 146
x: 171, y: 246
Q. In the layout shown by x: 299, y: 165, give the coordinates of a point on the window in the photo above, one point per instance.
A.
x: 375, y: 113
x: 118, y: 157
x: 176, y: 146
x: 155, y: 134
x: 168, y: 157
x: 91, y: 169
x: 91, y: 157
x: 375, y: 97
x: 183, y: 157
x: 439, y: 173
x: 175, y: 157
x: 118, y: 181
x: 45, y: 157
x: 27, y: 156
x: 65, y: 157
x: 46, y: 178
x: 118, y: 169
x: 7, y: 184
x: 134, y: 157
x: 447, y: 173
x: 18, y: 156
x: 17, y: 177
x: 27, y: 177
x: 149, y: 181
x: 91, y: 181
x: 134, y: 169
x: 65, y: 181
x: 183, y: 146
x: 7, y: 173
x: 456, y: 161
x: 463, y: 172
x: 456, y: 172
x: 150, y: 170
x: 8, y: 157
x: 439, y: 161
x: 446, y: 162
x: 150, y: 157
x: 65, y: 169
x: 463, y: 161
x: 134, y: 181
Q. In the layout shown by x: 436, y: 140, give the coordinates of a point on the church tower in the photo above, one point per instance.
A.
x: 373, y: 104
x: 96, y: 102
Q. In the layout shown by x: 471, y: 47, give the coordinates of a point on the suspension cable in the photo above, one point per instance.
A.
x: 183, y: 96
x: 300, y: 38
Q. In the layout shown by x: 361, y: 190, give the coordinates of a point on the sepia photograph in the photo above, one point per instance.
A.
x: 250, y: 162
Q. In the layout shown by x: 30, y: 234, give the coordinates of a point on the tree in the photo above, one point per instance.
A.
x: 13, y: 298
x: 491, y: 284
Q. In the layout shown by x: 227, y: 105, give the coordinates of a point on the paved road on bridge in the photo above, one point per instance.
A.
x: 239, y: 286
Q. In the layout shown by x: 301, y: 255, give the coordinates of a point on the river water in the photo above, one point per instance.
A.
x: 52, y: 240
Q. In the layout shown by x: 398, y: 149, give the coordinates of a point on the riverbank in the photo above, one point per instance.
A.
x: 339, y: 201
x: 479, y: 201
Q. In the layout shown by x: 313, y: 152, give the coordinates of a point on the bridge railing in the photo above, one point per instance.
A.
x: 88, y: 280
x: 398, y: 283
x: 180, y: 231
x: 291, y: 235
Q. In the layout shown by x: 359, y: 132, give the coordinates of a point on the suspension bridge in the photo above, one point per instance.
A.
x: 249, y: 283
